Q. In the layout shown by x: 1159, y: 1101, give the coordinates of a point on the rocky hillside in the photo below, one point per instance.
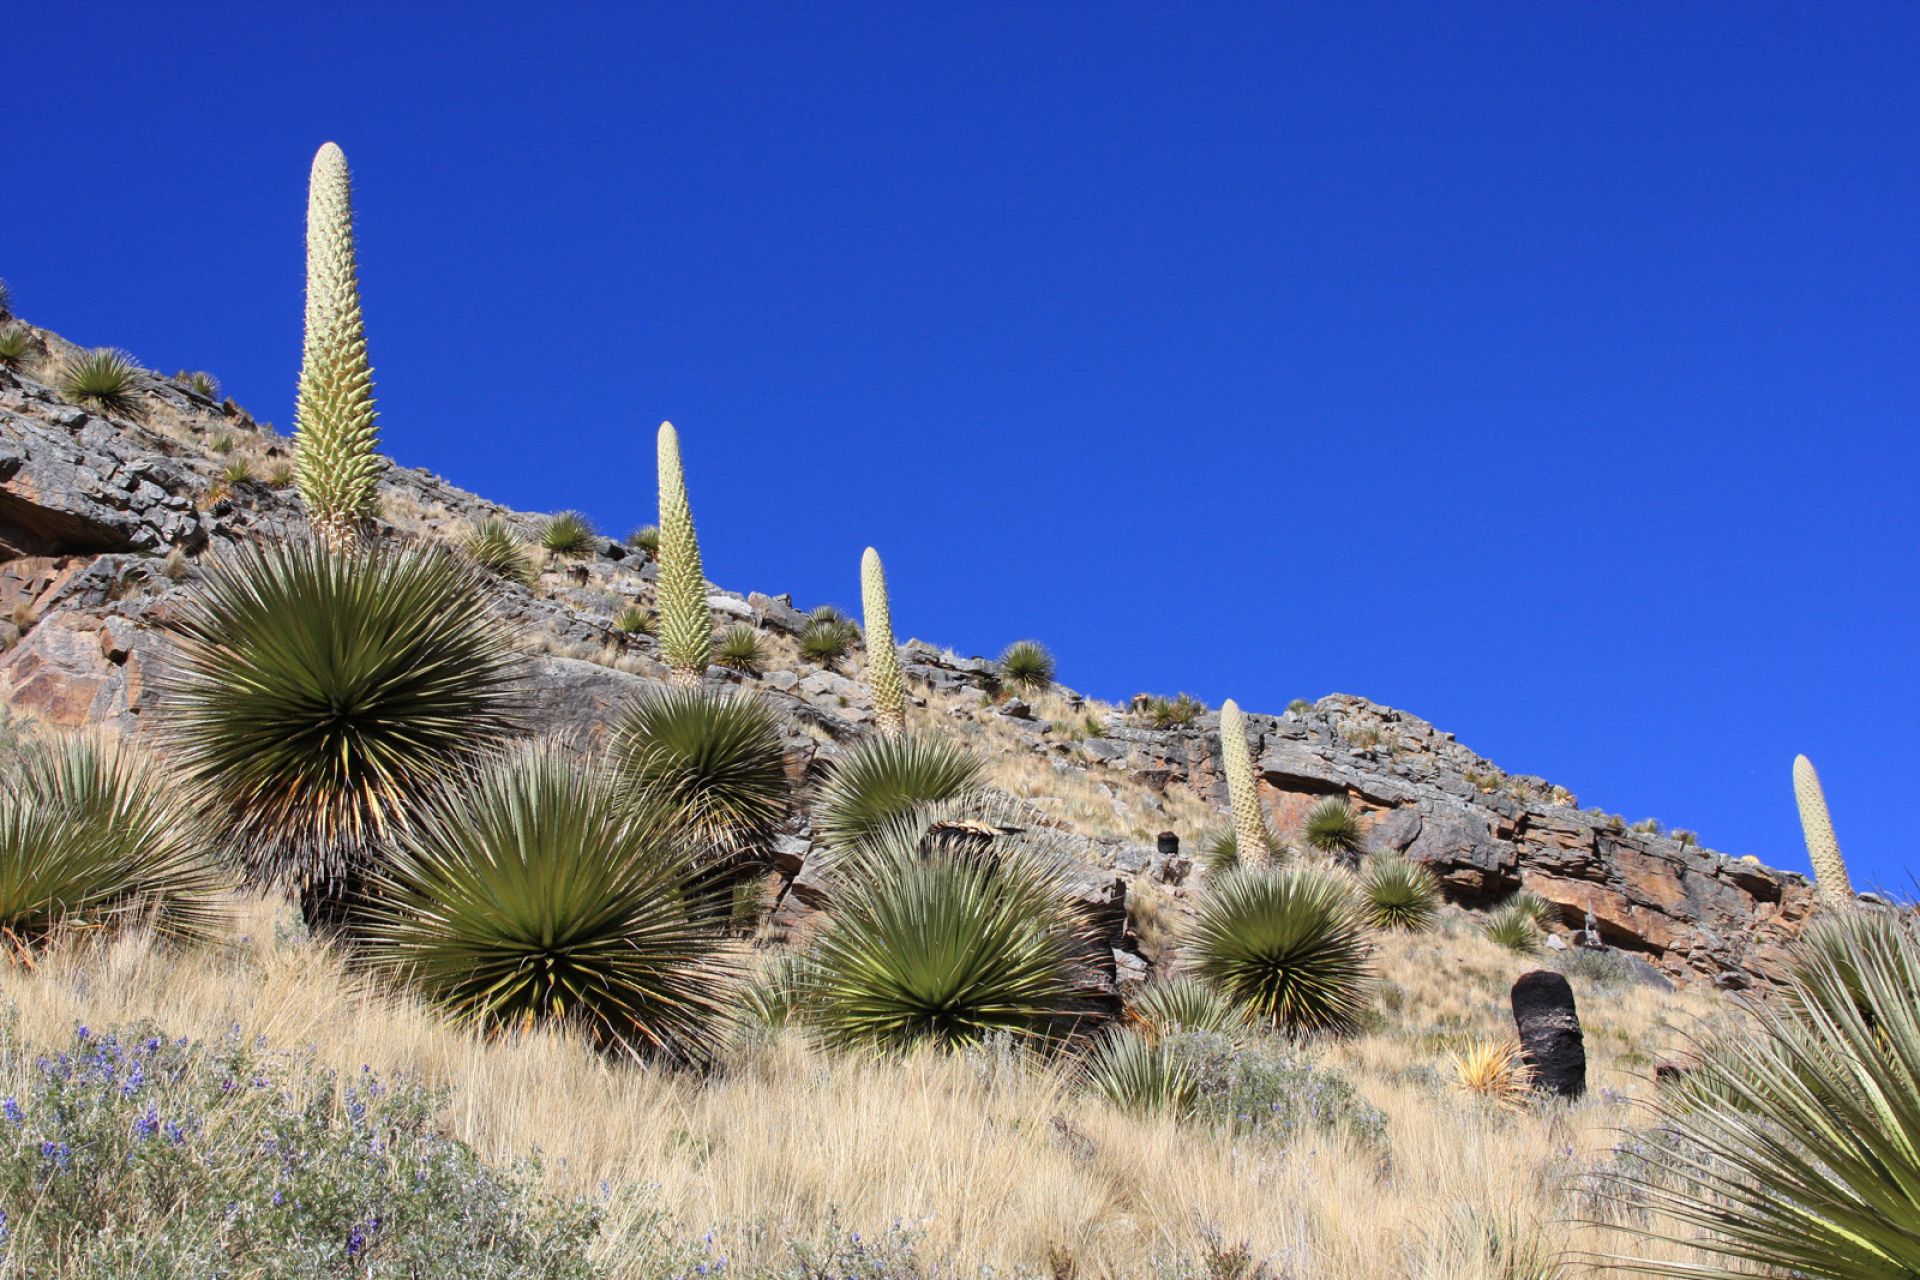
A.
x: 103, y: 518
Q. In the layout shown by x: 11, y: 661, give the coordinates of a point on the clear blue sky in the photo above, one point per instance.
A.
x: 1547, y: 370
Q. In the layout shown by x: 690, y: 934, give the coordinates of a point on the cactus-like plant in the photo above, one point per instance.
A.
x: 883, y: 662
x: 1251, y: 837
x: 686, y: 626
x: 336, y: 465
x: 1829, y: 868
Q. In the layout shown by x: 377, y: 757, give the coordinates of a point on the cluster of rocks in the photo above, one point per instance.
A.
x: 101, y: 521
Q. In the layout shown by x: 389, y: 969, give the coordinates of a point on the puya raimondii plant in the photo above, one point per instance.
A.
x: 335, y: 461
x: 883, y: 662
x: 686, y: 626
x: 1823, y: 849
x: 1249, y: 823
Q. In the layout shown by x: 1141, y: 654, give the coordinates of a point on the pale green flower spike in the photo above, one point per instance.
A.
x: 1249, y: 823
x: 883, y: 661
x: 335, y: 463
x: 686, y: 626
x: 1829, y: 868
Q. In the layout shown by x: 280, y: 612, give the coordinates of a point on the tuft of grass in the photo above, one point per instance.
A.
x: 1172, y: 1005
x: 535, y: 891
x: 885, y: 779
x: 1299, y: 707
x: 1494, y: 1071
x: 636, y: 620
x: 1027, y: 665
x: 1288, y: 946
x: 1140, y: 1076
x: 1399, y: 893
x: 740, y: 648
x: 1514, y: 927
x: 646, y: 540
x: 569, y: 533
x: 494, y: 546
x: 1332, y: 828
x: 237, y: 471
x: 1172, y: 713
x: 204, y: 385
x: 1543, y: 913
x: 828, y: 636
x: 16, y: 344
x: 104, y: 380
x: 714, y: 762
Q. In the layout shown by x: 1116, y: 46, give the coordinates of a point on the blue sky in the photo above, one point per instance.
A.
x: 1549, y: 371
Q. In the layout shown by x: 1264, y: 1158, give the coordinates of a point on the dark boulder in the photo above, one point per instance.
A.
x: 1550, y: 1036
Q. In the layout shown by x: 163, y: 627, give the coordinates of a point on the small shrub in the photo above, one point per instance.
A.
x: 1686, y: 838
x: 1399, y: 893
x: 636, y: 620
x: 494, y: 546
x: 568, y: 534
x: 828, y: 636
x: 646, y: 540
x: 1026, y: 665
x: 1494, y: 1071
x: 280, y: 475
x: 133, y: 1155
x: 1272, y: 1091
x: 1513, y: 927
x: 1140, y: 1076
x: 16, y: 344
x: 104, y: 380
x: 1648, y: 827
x: 740, y: 649
x: 1332, y: 828
x: 884, y: 779
x: 1287, y: 945
x: 1604, y: 968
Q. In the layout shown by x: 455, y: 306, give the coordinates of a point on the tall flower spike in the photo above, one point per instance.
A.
x: 335, y: 463
x: 1249, y: 823
x: 686, y: 626
x: 889, y: 689
x: 1823, y: 850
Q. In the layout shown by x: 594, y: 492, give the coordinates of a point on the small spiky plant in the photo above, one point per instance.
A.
x: 1173, y: 1005
x: 336, y: 462
x: 570, y: 533
x: 883, y: 780
x: 1251, y: 838
x: 1027, y: 665
x: 104, y: 380
x: 1220, y: 851
x: 1140, y: 1076
x: 686, y: 625
x: 635, y: 620
x: 1331, y: 828
x: 646, y: 540
x: 1495, y: 1071
x: 1823, y: 850
x: 204, y: 385
x: 883, y: 660
x: 828, y: 636
x: 494, y: 546
x: 713, y: 762
x: 1399, y: 893
x: 16, y: 344
x: 1513, y: 926
x: 1287, y: 946
x: 740, y: 649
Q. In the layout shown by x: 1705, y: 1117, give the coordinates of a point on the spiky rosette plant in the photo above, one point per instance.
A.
x: 883, y: 780
x: 1288, y: 946
x: 889, y: 688
x: 1140, y: 1075
x: 16, y: 345
x: 1399, y: 893
x: 495, y: 547
x: 1171, y: 1005
x: 1251, y: 838
x: 1332, y: 828
x: 1823, y: 849
x: 1027, y: 665
x: 1794, y: 1140
x: 934, y: 943
x: 91, y: 833
x: 714, y: 762
x: 532, y: 891
x: 104, y: 380
x: 336, y: 465
x: 686, y: 625
x: 320, y: 690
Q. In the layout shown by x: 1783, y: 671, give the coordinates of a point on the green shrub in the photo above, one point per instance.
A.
x: 1272, y: 1091
x: 1399, y: 893
x: 740, y: 649
x: 714, y: 762
x: 131, y: 1155
x: 92, y: 834
x: 828, y: 636
x: 882, y: 780
x: 319, y: 691
x: 104, y: 380
x: 535, y: 890
x: 939, y: 945
x: 1169, y: 1005
x: 1332, y: 828
x: 16, y: 344
x: 1288, y: 946
x: 636, y: 620
x: 1514, y: 927
x: 569, y: 533
x: 646, y: 540
x: 1797, y: 1134
x: 494, y: 546
x: 1026, y: 665
x: 1139, y: 1076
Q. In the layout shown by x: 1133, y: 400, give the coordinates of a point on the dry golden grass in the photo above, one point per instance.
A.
x: 1004, y: 1162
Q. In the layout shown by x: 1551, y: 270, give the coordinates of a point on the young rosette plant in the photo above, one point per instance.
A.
x: 16, y: 345
x: 714, y: 762
x: 1794, y: 1141
x: 104, y: 380
x: 320, y: 690
x: 883, y: 780
x: 1515, y: 926
x: 570, y: 533
x: 1140, y: 1076
x: 828, y: 636
x: 1220, y: 850
x: 533, y: 891
x: 1399, y: 893
x: 1027, y: 665
x: 336, y: 458
x: 741, y: 650
x: 1331, y: 828
x: 494, y: 546
x: 931, y: 943
x: 93, y: 835
x: 1288, y: 946
x: 1170, y: 1005
x: 646, y: 540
